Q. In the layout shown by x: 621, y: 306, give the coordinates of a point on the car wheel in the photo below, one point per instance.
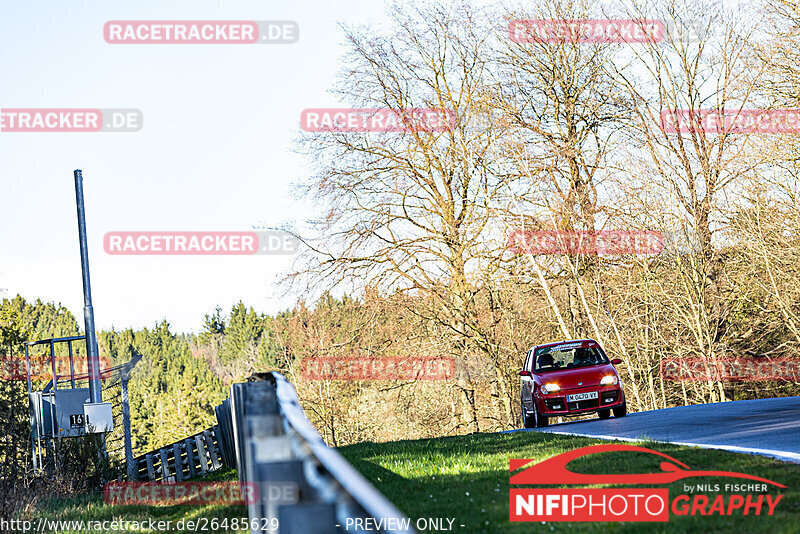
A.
x: 622, y: 411
x: 604, y: 414
x: 541, y: 420
x: 527, y: 422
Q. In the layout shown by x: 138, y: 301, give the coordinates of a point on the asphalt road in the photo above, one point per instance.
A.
x: 770, y: 427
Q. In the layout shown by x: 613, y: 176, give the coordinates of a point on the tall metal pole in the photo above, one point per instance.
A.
x: 92, y: 355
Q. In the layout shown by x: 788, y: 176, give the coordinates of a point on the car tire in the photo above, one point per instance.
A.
x: 621, y: 411
x: 604, y: 414
x: 527, y: 422
x: 541, y: 420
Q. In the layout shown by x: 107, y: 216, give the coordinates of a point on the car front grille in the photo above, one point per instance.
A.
x: 583, y: 405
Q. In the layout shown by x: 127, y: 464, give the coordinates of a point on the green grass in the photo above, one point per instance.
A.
x: 93, y: 508
x: 467, y: 478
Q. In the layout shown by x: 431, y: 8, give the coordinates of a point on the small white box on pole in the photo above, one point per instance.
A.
x: 99, y: 417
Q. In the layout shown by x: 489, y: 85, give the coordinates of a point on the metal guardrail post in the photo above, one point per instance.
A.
x: 225, y: 433
x: 126, y: 426
x: 125, y: 374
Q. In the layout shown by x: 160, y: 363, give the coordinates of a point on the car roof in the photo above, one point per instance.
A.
x: 564, y: 342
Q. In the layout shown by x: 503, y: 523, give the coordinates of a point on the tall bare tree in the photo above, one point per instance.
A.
x: 411, y: 212
x: 561, y: 95
x: 702, y: 64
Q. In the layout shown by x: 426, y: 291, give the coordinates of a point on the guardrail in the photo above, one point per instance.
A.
x: 295, y: 482
x: 193, y: 456
x: 303, y: 486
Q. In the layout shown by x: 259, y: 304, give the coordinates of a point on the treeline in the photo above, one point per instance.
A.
x: 172, y: 390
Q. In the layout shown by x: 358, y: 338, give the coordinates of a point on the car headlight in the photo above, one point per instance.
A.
x: 609, y: 380
x: 551, y: 388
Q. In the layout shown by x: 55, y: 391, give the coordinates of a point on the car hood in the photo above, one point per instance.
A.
x: 569, y: 378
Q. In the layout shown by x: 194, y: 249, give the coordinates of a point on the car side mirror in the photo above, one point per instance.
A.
x: 524, y: 373
x: 616, y: 361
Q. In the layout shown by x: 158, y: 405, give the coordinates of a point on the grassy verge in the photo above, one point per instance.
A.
x: 207, y: 518
x: 466, y: 478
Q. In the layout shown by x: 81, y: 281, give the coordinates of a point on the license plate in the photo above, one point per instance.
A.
x: 582, y: 396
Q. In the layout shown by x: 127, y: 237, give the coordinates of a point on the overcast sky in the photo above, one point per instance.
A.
x: 214, y: 152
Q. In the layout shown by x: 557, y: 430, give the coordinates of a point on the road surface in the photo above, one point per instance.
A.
x: 770, y: 427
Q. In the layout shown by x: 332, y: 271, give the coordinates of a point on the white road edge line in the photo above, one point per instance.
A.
x: 780, y: 455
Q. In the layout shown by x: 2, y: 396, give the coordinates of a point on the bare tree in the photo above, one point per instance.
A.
x: 563, y: 98
x: 412, y: 212
x: 701, y: 64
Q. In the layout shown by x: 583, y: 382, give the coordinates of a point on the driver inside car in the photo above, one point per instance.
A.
x: 582, y: 357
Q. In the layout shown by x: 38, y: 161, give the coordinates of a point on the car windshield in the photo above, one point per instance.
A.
x: 556, y: 358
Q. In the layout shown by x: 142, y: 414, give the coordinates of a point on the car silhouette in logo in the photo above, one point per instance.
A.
x: 569, y: 378
x: 554, y: 470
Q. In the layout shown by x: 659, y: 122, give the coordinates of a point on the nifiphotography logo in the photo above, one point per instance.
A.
x: 630, y: 503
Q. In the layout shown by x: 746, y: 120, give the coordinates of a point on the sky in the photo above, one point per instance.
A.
x: 215, y: 152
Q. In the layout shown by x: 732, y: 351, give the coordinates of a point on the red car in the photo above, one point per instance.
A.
x: 569, y: 378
